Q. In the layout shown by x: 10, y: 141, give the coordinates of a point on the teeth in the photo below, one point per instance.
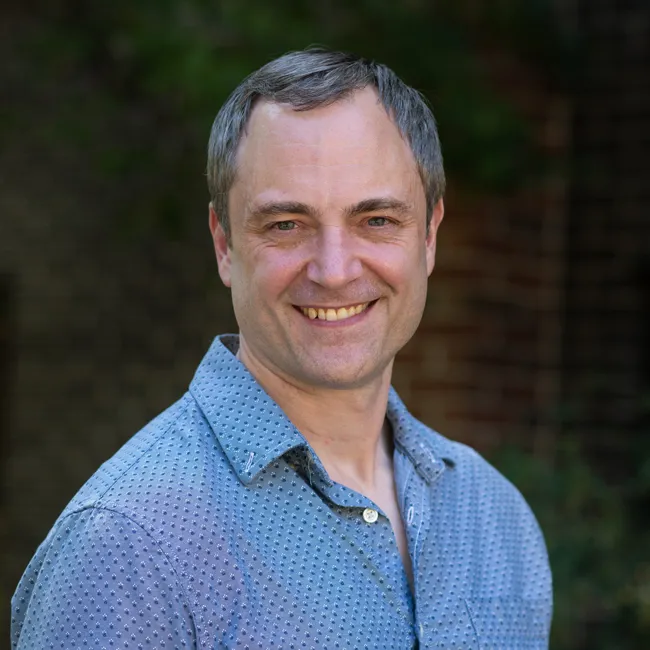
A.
x: 334, y: 314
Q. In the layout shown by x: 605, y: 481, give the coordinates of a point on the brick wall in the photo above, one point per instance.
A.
x: 606, y: 375
x: 484, y: 368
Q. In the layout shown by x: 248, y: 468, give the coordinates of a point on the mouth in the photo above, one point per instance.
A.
x: 332, y: 314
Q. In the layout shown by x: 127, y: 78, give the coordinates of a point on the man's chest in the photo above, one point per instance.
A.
x: 283, y: 564
x: 286, y: 568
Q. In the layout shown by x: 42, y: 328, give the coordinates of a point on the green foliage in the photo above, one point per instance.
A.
x: 598, y: 539
x: 177, y: 60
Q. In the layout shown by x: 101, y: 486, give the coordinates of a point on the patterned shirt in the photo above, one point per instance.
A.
x: 217, y: 526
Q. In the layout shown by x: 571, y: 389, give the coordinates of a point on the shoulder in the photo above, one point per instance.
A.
x: 485, y: 511
x: 131, y: 456
x: 489, y: 495
x: 121, y: 533
x: 476, y: 479
x: 166, y: 481
x: 93, y: 568
x: 463, y: 480
x: 165, y: 461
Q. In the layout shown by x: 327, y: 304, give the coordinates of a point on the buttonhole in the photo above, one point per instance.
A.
x: 250, y: 461
x: 409, y: 516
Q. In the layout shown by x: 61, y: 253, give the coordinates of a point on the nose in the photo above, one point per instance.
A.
x: 335, y: 261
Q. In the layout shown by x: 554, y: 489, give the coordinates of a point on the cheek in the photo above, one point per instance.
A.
x: 400, y: 266
x: 267, y: 272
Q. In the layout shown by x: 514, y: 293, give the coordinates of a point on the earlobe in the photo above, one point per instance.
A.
x: 221, y: 247
x: 432, y: 235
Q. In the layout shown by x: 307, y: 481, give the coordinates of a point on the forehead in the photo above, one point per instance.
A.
x: 350, y: 145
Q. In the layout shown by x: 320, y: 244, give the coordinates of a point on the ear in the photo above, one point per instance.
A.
x: 434, y: 224
x: 221, y: 247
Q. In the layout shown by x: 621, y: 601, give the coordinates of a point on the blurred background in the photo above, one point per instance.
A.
x: 535, y: 344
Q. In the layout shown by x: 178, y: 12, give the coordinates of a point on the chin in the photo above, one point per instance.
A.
x: 341, y: 376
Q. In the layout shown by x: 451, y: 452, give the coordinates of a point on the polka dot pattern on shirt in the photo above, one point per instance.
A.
x: 217, y: 526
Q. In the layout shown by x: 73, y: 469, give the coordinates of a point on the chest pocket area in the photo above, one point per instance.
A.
x: 509, y: 623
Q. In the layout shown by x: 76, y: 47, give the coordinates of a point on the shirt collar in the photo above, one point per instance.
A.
x: 250, y: 427
x: 429, y: 452
x: 254, y: 431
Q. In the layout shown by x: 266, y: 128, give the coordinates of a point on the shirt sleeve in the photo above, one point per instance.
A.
x: 100, y: 581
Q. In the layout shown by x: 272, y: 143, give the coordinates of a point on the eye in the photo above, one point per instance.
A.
x: 284, y: 225
x: 378, y: 221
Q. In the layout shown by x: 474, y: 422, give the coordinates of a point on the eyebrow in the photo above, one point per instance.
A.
x: 378, y: 204
x: 277, y: 208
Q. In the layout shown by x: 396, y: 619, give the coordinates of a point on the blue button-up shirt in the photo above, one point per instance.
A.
x: 217, y: 526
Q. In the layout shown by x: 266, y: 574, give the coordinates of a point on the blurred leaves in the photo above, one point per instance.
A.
x: 175, y: 61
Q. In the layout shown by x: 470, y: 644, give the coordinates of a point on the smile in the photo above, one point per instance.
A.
x: 334, y: 314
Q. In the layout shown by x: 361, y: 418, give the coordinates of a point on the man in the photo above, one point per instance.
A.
x: 289, y: 500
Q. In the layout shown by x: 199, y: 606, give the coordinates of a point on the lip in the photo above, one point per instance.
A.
x: 317, y: 322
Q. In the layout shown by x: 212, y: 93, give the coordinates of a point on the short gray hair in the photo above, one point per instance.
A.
x: 318, y: 77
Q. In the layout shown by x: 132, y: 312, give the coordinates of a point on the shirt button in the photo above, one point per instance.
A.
x: 370, y: 515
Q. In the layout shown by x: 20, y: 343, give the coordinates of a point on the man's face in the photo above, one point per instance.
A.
x: 328, y: 219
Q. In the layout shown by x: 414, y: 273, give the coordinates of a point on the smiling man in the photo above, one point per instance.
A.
x: 289, y: 500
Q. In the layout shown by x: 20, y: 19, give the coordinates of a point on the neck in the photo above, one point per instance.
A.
x: 346, y: 428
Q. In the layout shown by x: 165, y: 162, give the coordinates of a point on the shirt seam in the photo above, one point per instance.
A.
x: 158, y: 545
x: 472, y: 623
